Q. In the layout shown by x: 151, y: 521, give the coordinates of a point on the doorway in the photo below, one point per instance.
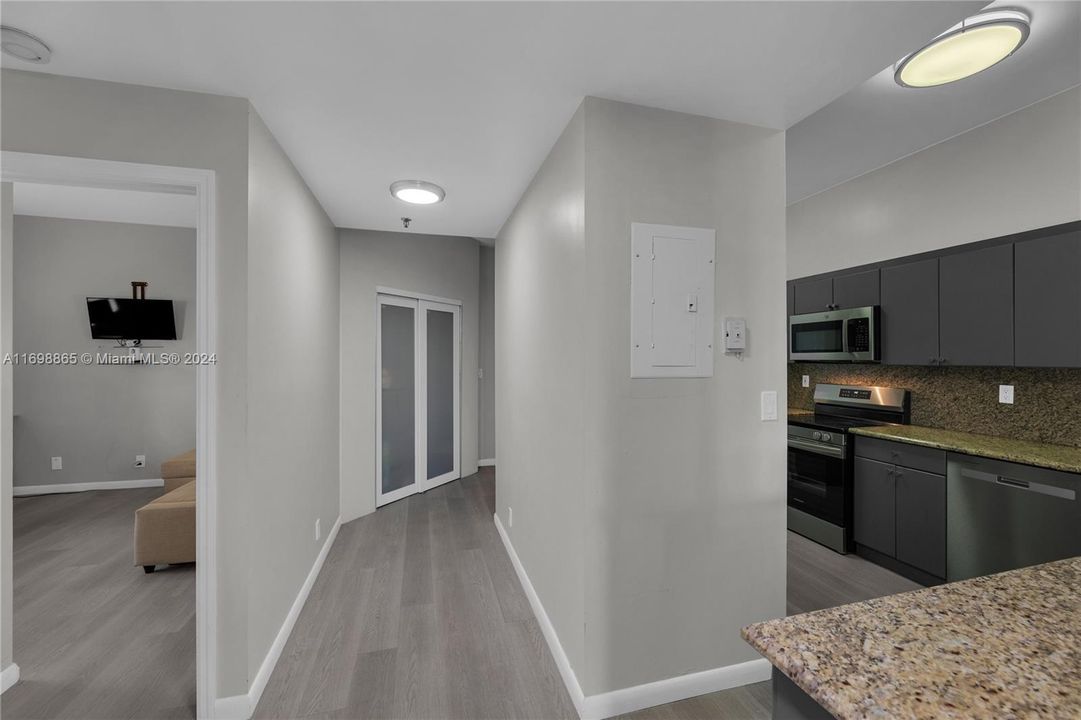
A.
x: 418, y: 394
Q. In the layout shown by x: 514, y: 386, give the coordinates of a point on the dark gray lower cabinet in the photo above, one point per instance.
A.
x: 875, y: 506
x: 921, y: 520
x: 976, y: 307
x: 910, y: 313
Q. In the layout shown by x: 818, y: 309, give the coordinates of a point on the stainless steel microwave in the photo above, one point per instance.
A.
x: 835, y: 336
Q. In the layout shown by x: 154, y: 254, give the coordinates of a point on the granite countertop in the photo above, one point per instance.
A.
x: 1046, y: 455
x: 1000, y: 646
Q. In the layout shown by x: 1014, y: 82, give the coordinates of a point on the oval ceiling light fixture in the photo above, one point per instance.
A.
x: 978, y: 43
x: 417, y: 192
x: 24, y: 46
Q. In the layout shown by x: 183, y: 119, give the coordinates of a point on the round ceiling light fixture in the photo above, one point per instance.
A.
x: 978, y: 43
x: 417, y: 192
x: 24, y: 46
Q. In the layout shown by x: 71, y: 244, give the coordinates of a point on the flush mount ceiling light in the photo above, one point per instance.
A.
x: 417, y: 192
x: 978, y: 43
x: 24, y: 46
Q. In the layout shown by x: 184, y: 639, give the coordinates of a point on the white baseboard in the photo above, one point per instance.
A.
x: 24, y: 490
x: 8, y: 677
x: 241, y: 707
x: 235, y: 707
x: 625, y: 700
x: 487, y: 462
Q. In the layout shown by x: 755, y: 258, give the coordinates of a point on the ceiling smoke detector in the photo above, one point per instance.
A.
x: 417, y: 192
x: 24, y: 46
x: 976, y: 44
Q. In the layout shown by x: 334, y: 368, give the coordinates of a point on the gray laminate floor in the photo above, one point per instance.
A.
x: 417, y: 614
x: 94, y: 636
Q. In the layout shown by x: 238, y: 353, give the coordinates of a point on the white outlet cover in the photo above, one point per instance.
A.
x: 806, y: 381
x: 769, y: 405
x: 58, y: 463
x: 1005, y: 394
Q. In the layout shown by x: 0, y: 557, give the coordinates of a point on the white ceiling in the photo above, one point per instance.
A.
x: 880, y: 121
x: 83, y: 203
x: 473, y: 95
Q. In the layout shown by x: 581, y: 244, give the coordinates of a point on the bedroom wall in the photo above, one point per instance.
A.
x: 487, y: 352
x: 98, y: 417
x: 6, y: 467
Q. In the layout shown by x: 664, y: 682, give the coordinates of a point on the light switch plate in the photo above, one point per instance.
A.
x: 769, y: 405
x: 1005, y: 394
x: 806, y: 381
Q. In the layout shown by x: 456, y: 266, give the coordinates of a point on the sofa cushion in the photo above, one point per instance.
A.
x: 165, y: 529
x: 179, y: 466
x: 185, y: 493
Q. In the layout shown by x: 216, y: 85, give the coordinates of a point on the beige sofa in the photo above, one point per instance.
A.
x: 165, y: 527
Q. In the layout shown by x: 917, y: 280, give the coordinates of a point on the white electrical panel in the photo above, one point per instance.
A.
x: 672, y: 279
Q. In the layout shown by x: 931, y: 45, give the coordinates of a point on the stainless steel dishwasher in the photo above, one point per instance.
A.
x: 1001, y: 516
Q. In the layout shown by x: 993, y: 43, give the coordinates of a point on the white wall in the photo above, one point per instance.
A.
x: 6, y: 467
x: 292, y: 384
x: 442, y: 266
x: 60, y: 115
x: 1020, y: 172
x: 487, y: 352
x: 541, y: 350
x: 98, y: 417
x: 649, y: 514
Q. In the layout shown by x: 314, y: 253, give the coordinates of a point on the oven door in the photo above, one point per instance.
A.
x: 816, y: 479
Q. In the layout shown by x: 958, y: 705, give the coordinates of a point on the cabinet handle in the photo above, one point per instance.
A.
x: 934, y: 361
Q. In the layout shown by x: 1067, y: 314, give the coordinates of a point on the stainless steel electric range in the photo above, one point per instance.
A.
x: 820, y: 457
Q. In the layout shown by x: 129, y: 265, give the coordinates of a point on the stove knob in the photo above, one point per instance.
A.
x: 816, y: 435
x: 827, y: 437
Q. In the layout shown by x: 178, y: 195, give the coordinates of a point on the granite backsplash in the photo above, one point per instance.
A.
x: 1047, y: 402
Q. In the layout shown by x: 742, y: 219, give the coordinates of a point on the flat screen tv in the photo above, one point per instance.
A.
x: 127, y: 319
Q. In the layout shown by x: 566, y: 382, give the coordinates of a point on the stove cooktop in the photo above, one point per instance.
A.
x: 833, y: 422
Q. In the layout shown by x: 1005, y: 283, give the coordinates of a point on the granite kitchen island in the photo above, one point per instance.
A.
x: 1000, y: 646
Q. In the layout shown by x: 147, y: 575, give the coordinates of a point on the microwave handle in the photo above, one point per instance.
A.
x: 844, y: 335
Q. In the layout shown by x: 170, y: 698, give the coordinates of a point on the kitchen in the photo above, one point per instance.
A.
x: 934, y: 394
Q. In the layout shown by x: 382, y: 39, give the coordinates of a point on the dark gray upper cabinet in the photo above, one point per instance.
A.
x: 813, y: 296
x: 1047, y: 302
x: 921, y: 520
x: 856, y: 290
x: 874, y: 506
x: 976, y: 307
x: 910, y: 313
x: 791, y: 298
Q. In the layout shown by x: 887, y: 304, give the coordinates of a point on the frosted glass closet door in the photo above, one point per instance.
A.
x: 441, y: 387
x: 396, y: 446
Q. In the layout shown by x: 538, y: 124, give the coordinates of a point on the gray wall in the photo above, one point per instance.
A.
x: 686, y: 538
x: 59, y: 115
x: 487, y: 352
x: 6, y: 445
x: 292, y: 384
x: 1017, y: 173
x: 540, y: 406
x: 649, y: 514
x: 428, y: 264
x: 98, y: 417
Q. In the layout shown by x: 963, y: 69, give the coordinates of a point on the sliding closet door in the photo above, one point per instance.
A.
x: 418, y: 398
x: 396, y: 399
x: 441, y: 333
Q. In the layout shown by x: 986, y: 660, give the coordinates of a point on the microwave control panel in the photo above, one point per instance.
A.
x: 859, y: 335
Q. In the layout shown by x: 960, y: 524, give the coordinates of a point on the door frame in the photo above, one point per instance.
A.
x: 88, y: 172
x: 420, y: 302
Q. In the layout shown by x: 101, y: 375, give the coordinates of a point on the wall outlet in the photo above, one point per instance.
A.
x: 140, y: 461
x: 1005, y: 394
x: 318, y: 529
x: 510, y: 517
x: 769, y: 405
x: 806, y: 381
x: 58, y: 462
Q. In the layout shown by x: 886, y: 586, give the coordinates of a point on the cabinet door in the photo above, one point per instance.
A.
x: 856, y: 290
x: 910, y: 313
x: 1048, y: 301
x: 921, y: 520
x: 976, y: 307
x: 874, y: 502
x: 813, y: 296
